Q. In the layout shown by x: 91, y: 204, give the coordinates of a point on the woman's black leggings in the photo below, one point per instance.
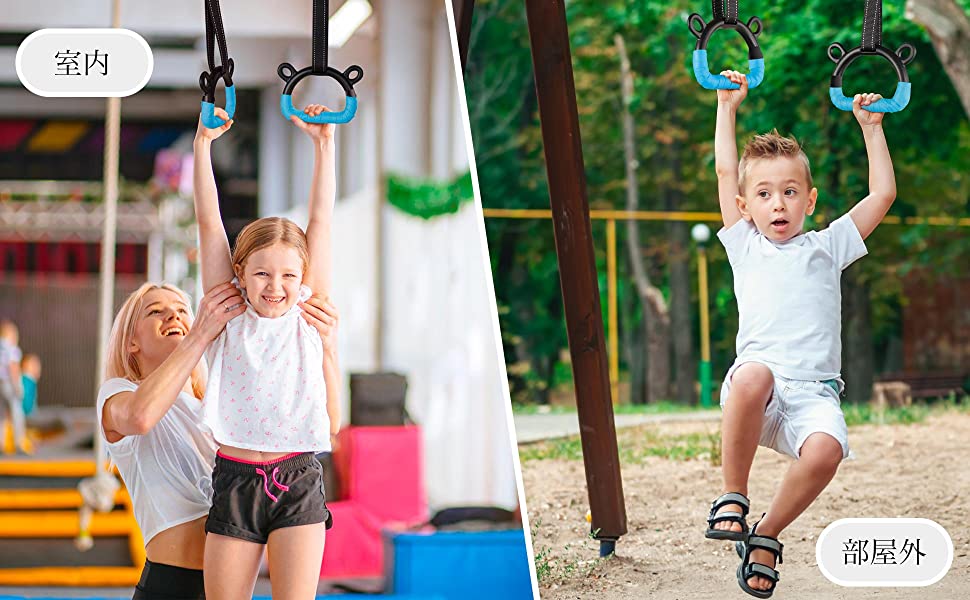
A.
x: 165, y: 582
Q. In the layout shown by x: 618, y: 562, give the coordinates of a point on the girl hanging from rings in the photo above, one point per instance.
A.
x: 269, y: 405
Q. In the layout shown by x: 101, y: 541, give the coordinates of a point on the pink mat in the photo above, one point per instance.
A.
x: 354, y: 546
x: 381, y: 469
x: 382, y: 486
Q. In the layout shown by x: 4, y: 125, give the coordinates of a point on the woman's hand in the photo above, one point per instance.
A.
x: 222, y: 304
x: 322, y: 315
x: 318, y: 132
x: 204, y: 133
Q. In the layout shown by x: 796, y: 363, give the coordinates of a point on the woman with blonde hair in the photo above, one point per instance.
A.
x: 150, y: 410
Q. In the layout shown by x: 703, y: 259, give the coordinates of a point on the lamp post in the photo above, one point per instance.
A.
x: 701, y: 233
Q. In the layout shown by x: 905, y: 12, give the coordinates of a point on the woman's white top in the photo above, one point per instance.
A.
x: 266, y: 390
x: 168, y: 471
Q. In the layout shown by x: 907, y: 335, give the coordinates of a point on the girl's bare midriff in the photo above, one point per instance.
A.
x: 252, y: 455
x: 179, y: 546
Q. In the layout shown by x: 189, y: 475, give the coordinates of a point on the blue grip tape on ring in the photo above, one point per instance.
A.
x: 710, y: 81
x: 209, y: 118
x: 344, y: 116
x: 885, y: 105
x: 898, y: 59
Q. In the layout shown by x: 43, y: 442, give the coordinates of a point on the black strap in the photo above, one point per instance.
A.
x: 214, y: 32
x: 872, y: 25
x: 770, y: 544
x: 730, y: 15
x: 731, y: 498
x: 760, y: 570
x: 321, y: 21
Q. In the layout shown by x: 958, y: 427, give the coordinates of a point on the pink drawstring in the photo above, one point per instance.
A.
x: 285, y: 488
x: 266, y: 484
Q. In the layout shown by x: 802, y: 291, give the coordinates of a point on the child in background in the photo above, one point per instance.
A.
x: 783, y: 389
x: 267, y: 402
x: 11, y: 388
x: 29, y: 376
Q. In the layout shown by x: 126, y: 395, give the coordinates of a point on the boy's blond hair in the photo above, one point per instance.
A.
x: 266, y: 232
x: 771, y: 145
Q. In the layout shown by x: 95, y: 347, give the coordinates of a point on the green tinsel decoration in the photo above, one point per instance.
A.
x: 429, y: 198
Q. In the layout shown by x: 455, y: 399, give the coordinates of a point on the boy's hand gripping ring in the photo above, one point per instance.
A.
x: 886, y: 105
x: 749, y: 32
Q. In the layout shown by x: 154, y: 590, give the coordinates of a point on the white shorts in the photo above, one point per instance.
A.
x: 798, y: 409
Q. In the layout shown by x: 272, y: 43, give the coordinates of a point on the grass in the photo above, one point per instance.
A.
x: 548, y: 567
x: 635, y: 449
x: 656, y: 408
x: 551, y: 569
x: 864, y: 414
x: 637, y: 444
x: 562, y: 449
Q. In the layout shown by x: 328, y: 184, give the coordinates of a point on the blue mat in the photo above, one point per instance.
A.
x: 482, y: 565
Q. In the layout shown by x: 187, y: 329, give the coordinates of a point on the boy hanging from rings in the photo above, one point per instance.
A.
x: 783, y: 389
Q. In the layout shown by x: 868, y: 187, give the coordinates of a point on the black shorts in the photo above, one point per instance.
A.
x: 165, y: 582
x: 250, y: 500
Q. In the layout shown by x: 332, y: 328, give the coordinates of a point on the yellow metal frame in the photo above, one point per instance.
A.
x: 44, y: 521
x: 612, y: 216
x: 48, y: 499
x: 62, y: 524
x: 38, y: 468
x: 72, y: 576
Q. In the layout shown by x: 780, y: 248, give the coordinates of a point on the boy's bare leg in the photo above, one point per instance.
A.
x: 804, y: 481
x: 751, y: 386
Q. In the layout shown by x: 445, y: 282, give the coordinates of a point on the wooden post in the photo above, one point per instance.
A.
x: 561, y: 143
x: 463, y: 27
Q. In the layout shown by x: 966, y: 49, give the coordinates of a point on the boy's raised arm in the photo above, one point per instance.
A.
x: 726, y: 147
x: 869, y: 211
x: 213, y: 243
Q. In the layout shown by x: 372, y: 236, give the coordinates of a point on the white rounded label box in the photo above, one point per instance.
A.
x: 84, y: 62
x: 900, y: 552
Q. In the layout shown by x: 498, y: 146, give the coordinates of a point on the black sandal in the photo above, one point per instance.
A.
x: 729, y: 516
x: 748, y: 569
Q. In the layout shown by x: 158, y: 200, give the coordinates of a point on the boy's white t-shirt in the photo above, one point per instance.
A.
x: 789, y: 297
x: 266, y: 390
x: 168, y: 471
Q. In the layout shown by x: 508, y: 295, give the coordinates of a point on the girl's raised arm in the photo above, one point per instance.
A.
x: 213, y: 243
x: 323, y: 194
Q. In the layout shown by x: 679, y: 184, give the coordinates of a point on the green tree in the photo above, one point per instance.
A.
x: 674, y: 121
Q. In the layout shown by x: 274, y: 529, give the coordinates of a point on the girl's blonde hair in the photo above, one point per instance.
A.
x: 266, y: 232
x: 120, y: 362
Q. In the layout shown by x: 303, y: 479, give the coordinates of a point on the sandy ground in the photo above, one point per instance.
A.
x: 915, y: 470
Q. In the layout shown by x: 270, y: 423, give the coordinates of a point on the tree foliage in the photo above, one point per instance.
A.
x: 929, y: 141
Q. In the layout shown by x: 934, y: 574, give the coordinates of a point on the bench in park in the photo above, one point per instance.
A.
x: 929, y: 385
